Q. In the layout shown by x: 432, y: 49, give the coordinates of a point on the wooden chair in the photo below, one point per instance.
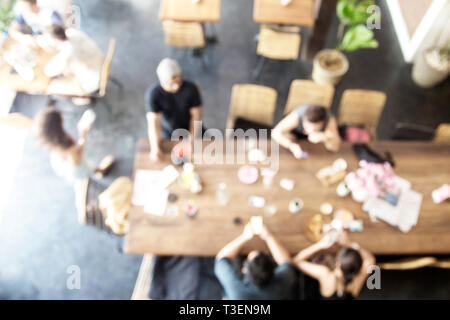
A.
x: 281, y: 43
x: 252, y: 102
x: 362, y: 107
x: 309, y: 92
x: 442, y: 133
x: 415, y: 263
x: 184, y: 34
x: 105, y: 74
x: 143, y: 282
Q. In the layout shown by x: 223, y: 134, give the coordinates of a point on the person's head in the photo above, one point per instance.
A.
x: 28, y: 6
x: 350, y: 262
x: 259, y: 268
x: 48, y: 130
x: 314, y: 119
x: 169, y: 75
x: 55, y: 35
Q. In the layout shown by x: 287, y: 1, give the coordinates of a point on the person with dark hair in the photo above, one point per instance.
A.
x: 75, y: 68
x: 307, y: 121
x: 351, y: 268
x: 32, y: 20
x: 261, y: 276
x: 67, y: 154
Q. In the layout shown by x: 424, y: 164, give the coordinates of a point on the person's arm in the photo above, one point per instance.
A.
x: 15, y: 32
x: 282, y: 134
x: 332, y: 137
x: 196, y: 115
x: 232, y: 249
x: 368, y: 260
x: 308, y: 252
x: 278, y: 251
x: 154, y: 135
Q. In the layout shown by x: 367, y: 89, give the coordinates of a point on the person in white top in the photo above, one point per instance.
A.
x: 31, y: 20
x: 67, y: 154
x: 77, y: 65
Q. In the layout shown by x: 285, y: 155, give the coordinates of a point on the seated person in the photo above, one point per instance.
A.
x: 260, y: 278
x: 172, y: 104
x: 350, y: 271
x: 32, y: 20
x: 311, y: 121
x: 77, y: 65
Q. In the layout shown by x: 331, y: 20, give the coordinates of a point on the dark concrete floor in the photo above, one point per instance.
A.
x: 39, y: 234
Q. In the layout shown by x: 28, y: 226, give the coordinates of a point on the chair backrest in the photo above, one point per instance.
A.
x: 278, y: 45
x: 309, y: 92
x: 106, y: 67
x: 252, y: 102
x: 362, y: 107
x: 442, y: 133
x: 183, y: 34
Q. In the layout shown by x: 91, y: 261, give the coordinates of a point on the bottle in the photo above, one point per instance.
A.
x: 222, y: 195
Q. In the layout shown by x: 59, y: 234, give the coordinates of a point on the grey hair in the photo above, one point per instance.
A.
x: 168, y: 69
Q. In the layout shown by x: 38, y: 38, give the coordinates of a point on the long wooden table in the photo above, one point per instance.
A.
x: 298, y: 12
x: 188, y: 11
x: 424, y: 164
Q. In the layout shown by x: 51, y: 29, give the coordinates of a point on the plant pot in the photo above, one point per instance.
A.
x: 427, y: 71
x: 329, y: 66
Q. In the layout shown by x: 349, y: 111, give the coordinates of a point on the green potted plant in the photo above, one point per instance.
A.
x: 330, y: 65
x: 432, y: 66
x: 6, y: 17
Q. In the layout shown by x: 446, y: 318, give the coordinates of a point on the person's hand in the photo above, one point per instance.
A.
x: 84, y: 132
x: 343, y: 239
x: 29, y: 41
x: 326, y: 242
x: 265, y: 233
x: 155, y: 155
x: 248, y: 234
x: 316, y: 137
x: 296, y: 150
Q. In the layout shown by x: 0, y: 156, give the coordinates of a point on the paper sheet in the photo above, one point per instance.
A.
x: 156, y: 202
x: 145, y: 181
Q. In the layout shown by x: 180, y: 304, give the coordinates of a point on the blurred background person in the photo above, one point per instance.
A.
x: 32, y: 20
x: 76, y: 66
x: 174, y: 103
x: 340, y: 280
x: 261, y: 277
x: 307, y: 121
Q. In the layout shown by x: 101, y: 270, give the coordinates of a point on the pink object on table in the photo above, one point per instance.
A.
x: 441, y: 194
x: 248, y: 174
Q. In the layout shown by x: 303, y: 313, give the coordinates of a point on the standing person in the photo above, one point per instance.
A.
x: 349, y: 274
x: 66, y: 153
x: 261, y: 278
x: 174, y: 103
x: 32, y: 20
x: 76, y: 67
x: 307, y: 121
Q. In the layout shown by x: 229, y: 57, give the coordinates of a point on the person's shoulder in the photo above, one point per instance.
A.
x: 286, y: 270
x: 190, y: 85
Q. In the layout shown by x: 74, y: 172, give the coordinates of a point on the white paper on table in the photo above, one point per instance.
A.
x: 145, y: 183
x: 156, y: 202
x: 170, y: 174
x: 382, y: 210
x: 409, y: 209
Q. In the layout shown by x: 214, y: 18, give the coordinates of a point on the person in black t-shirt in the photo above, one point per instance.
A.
x: 173, y: 104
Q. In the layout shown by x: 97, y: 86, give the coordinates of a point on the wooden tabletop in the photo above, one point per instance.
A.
x: 424, y: 164
x: 15, y: 82
x: 298, y: 12
x: 188, y: 11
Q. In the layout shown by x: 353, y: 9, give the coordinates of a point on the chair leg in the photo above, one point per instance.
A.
x: 259, y: 67
x: 212, y: 38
